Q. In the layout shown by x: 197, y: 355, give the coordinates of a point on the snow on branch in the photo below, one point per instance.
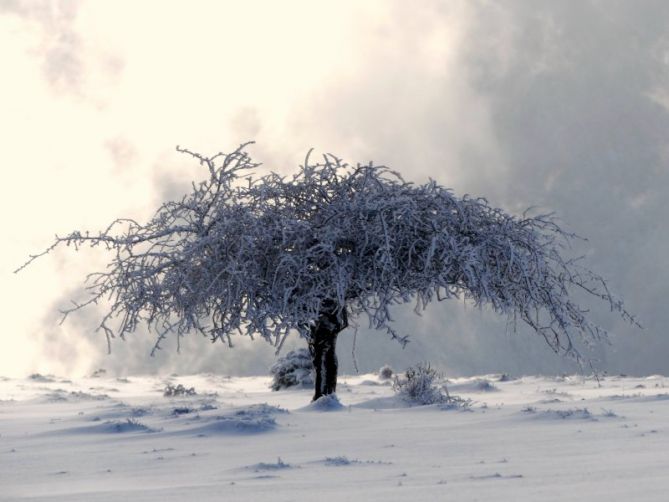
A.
x: 268, y: 255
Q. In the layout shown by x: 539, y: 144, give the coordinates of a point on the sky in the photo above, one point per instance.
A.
x: 559, y: 105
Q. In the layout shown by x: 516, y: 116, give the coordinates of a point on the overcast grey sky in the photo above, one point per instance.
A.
x: 561, y: 105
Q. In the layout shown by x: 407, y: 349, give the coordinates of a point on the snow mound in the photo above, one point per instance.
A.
x: 117, y: 412
x: 325, y: 403
x: 657, y: 397
x: 253, y: 419
x: 383, y: 403
x: 373, y: 383
x: 260, y: 409
x: 638, y: 397
x: 475, y: 385
x: 248, y: 424
x: 129, y: 425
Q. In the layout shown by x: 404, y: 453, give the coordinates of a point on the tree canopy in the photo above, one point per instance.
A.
x: 270, y: 254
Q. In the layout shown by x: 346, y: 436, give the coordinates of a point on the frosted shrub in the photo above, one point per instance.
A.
x: 386, y: 372
x: 178, y: 390
x: 293, y: 369
x: 419, y: 385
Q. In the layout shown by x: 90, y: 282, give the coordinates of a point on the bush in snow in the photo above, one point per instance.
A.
x: 178, y: 390
x: 293, y: 369
x: 263, y: 466
x: 386, y: 372
x: 420, y: 385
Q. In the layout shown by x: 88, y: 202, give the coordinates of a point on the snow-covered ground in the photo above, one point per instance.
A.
x: 525, y: 439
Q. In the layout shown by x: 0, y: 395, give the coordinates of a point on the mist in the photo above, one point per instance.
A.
x: 559, y: 105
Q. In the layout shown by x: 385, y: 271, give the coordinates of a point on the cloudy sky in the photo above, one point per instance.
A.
x: 561, y: 105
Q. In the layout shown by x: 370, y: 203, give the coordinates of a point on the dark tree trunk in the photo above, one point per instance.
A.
x: 323, y: 345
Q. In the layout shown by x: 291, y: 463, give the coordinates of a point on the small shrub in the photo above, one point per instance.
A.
x: 419, y: 385
x: 609, y: 413
x: 456, y: 403
x: 292, y: 370
x: 178, y: 390
x: 263, y: 466
x: 485, y: 386
x: 129, y: 425
x: 181, y: 411
x: 37, y: 377
x: 583, y: 413
x: 386, y: 372
x: 339, y: 461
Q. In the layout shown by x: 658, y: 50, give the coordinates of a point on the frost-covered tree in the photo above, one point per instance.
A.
x: 270, y: 255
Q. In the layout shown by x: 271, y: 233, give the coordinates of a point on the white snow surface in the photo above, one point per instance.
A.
x: 524, y: 439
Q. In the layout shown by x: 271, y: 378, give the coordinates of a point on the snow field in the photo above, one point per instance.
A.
x: 530, y: 438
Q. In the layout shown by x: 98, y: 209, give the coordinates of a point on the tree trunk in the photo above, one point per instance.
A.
x: 323, y: 346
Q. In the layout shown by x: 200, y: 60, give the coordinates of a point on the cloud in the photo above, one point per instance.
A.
x: 60, y: 47
x: 559, y: 105
x: 123, y: 153
x: 547, y: 104
x: 580, y: 134
x: 71, y: 65
x: 246, y: 123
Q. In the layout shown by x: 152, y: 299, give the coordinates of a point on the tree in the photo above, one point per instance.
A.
x: 271, y: 255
